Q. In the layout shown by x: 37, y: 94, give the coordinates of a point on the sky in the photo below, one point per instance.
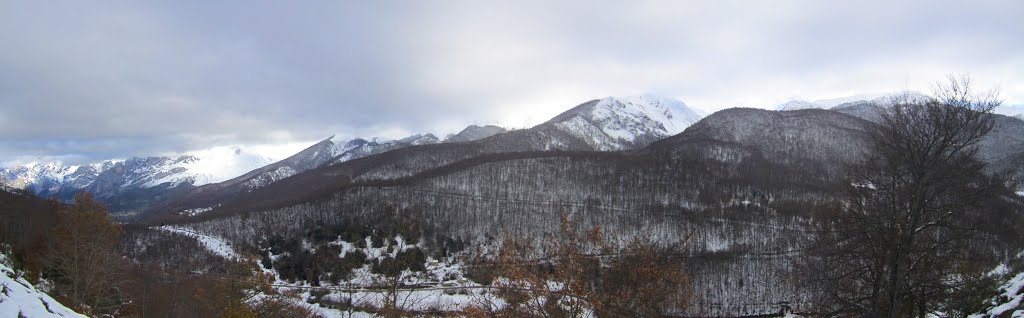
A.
x: 93, y: 80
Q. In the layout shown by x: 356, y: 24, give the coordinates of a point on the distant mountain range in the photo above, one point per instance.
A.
x: 606, y: 124
x: 205, y: 180
x: 135, y: 184
x: 741, y: 185
x: 797, y: 104
x: 122, y: 183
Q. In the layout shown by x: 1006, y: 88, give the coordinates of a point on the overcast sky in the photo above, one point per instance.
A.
x: 86, y: 80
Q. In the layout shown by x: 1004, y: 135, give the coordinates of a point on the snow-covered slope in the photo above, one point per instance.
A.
x: 474, y: 132
x: 137, y: 177
x: 374, y: 146
x: 618, y: 123
x: 797, y: 104
x: 1009, y: 302
x: 329, y: 151
x: 209, y: 166
x: 18, y: 298
x: 52, y: 178
x: 1019, y: 116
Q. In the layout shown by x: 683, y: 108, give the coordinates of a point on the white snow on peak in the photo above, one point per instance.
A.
x: 196, y: 167
x: 614, y: 123
x: 43, y: 174
x: 673, y: 114
x: 209, y: 166
x: 340, y: 145
x: 797, y: 104
x: 833, y: 102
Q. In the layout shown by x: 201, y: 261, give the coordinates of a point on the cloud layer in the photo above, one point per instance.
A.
x: 100, y: 80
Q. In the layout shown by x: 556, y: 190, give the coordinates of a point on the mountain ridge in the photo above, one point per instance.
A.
x: 642, y: 124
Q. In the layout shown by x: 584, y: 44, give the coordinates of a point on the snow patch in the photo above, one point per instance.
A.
x: 616, y: 123
x: 196, y: 211
x: 1010, y: 302
x: 213, y: 244
x: 19, y: 298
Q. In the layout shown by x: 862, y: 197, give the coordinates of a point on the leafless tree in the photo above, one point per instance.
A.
x: 899, y: 247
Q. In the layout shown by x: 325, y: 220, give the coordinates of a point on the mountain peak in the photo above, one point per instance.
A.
x: 420, y: 139
x: 797, y: 104
x: 618, y: 123
x: 475, y: 132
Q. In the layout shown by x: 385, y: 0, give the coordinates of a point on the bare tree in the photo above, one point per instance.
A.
x: 896, y: 249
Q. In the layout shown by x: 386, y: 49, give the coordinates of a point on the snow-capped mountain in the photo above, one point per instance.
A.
x: 109, y: 180
x: 605, y: 125
x: 329, y: 151
x: 53, y: 178
x: 474, y: 132
x: 362, y: 147
x: 619, y: 123
x: 797, y: 104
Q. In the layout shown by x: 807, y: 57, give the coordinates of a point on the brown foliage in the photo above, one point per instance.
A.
x: 243, y: 293
x: 577, y: 272
x: 85, y: 263
x: 26, y: 223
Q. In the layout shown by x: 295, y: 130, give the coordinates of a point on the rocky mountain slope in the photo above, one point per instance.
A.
x: 605, y: 124
x: 1002, y: 149
x: 329, y: 151
x: 132, y: 183
x: 621, y: 123
x: 474, y: 132
x: 743, y: 186
x: 54, y: 178
x: 724, y: 183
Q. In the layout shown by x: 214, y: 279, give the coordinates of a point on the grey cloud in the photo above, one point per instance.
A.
x: 112, y: 79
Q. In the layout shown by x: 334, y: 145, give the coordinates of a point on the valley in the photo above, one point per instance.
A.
x: 343, y: 225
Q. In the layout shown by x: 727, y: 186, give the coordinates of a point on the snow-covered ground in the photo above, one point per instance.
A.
x: 18, y: 298
x: 214, y: 244
x: 1010, y: 302
x: 443, y: 287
